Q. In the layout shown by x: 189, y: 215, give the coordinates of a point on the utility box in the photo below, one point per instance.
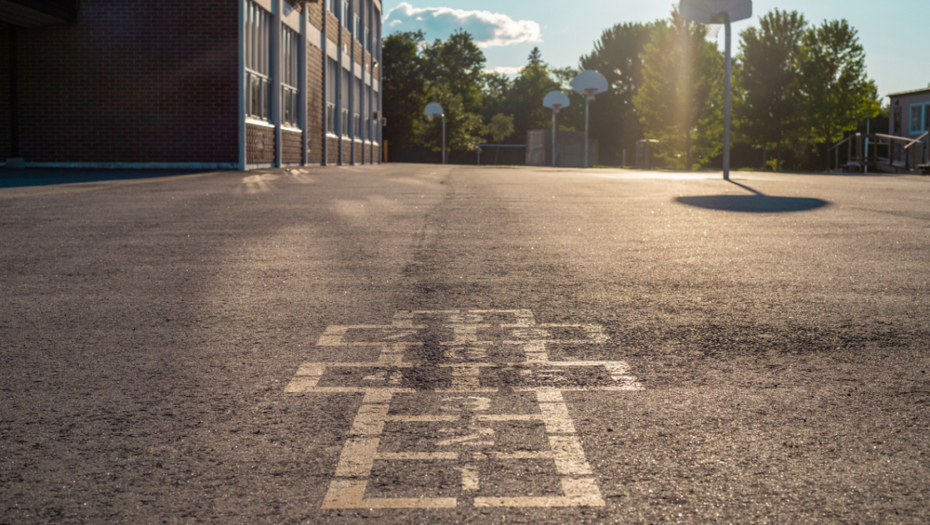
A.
x: 569, y: 149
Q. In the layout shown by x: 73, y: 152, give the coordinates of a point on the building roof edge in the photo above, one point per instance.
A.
x: 912, y: 92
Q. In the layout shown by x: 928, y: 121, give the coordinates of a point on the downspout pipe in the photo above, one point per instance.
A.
x: 14, y: 95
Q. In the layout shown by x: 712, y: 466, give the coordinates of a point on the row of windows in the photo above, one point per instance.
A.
x: 258, y: 62
x: 258, y: 73
x: 356, y: 27
x: 363, y: 97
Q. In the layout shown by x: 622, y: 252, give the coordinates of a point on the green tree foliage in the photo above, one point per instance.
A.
x: 500, y: 127
x: 497, y: 88
x: 833, y: 88
x: 680, y: 102
x: 454, y: 73
x: 768, y: 114
x: 525, y: 98
x: 618, y: 55
x: 404, y: 91
x: 795, y: 86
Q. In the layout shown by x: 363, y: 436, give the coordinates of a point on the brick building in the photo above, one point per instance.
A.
x: 199, y: 84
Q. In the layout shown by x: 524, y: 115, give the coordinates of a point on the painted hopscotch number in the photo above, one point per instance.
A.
x: 493, y: 378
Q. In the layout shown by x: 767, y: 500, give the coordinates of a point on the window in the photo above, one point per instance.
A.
x: 257, y: 61
x: 359, y: 104
x: 331, y: 71
x: 345, y: 14
x: 367, y: 42
x: 344, y: 130
x: 290, y: 42
x: 920, y: 118
x: 330, y: 6
x: 356, y: 27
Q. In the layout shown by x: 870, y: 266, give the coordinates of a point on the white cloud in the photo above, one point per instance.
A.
x: 506, y: 70
x: 486, y: 28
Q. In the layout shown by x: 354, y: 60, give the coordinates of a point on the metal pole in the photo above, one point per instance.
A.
x: 587, y: 100
x: 554, y: 111
x: 726, y: 101
x: 443, y: 139
x: 14, y: 94
x: 868, y: 122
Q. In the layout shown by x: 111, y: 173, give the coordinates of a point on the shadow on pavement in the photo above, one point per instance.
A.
x: 10, y: 178
x: 756, y: 203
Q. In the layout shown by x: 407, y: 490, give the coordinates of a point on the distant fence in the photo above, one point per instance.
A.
x: 511, y: 157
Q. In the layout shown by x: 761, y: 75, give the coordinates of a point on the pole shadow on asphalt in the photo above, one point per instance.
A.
x: 758, y: 202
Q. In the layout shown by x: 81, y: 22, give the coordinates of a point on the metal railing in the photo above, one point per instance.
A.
x: 863, y: 152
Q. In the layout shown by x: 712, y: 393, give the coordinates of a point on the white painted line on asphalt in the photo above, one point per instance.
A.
x: 470, y: 480
x: 467, y: 420
x: 370, y: 420
x: 357, y: 458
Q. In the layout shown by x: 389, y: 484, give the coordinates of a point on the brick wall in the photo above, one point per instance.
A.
x: 332, y: 27
x: 316, y: 14
x: 333, y: 146
x: 132, y: 81
x: 315, y: 108
x: 377, y: 155
x: 260, y: 146
x: 292, y: 147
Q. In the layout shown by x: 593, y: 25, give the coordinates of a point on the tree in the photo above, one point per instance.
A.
x: 768, y: 113
x: 498, y: 129
x: 618, y: 55
x: 526, y: 97
x: 535, y: 56
x: 680, y: 102
x: 497, y: 88
x: 454, y: 77
x: 834, y: 91
x: 404, y: 91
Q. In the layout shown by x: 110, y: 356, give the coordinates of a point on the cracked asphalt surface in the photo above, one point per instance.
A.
x: 778, y: 325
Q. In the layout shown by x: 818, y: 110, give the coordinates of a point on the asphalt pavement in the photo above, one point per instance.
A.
x: 454, y: 344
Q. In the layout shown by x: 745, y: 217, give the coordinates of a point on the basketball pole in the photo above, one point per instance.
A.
x: 587, y: 102
x: 554, y: 112
x: 728, y: 66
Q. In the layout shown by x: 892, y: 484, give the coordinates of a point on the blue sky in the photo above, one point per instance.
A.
x: 894, y: 34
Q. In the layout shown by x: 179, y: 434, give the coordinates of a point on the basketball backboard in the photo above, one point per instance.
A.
x: 556, y: 100
x: 433, y: 109
x: 589, y: 83
x: 711, y: 11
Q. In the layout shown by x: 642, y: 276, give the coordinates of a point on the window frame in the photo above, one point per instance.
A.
x: 258, y: 68
x: 290, y: 62
x: 924, y: 111
x: 332, y: 69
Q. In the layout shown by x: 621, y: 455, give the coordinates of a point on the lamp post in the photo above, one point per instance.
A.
x: 433, y: 109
